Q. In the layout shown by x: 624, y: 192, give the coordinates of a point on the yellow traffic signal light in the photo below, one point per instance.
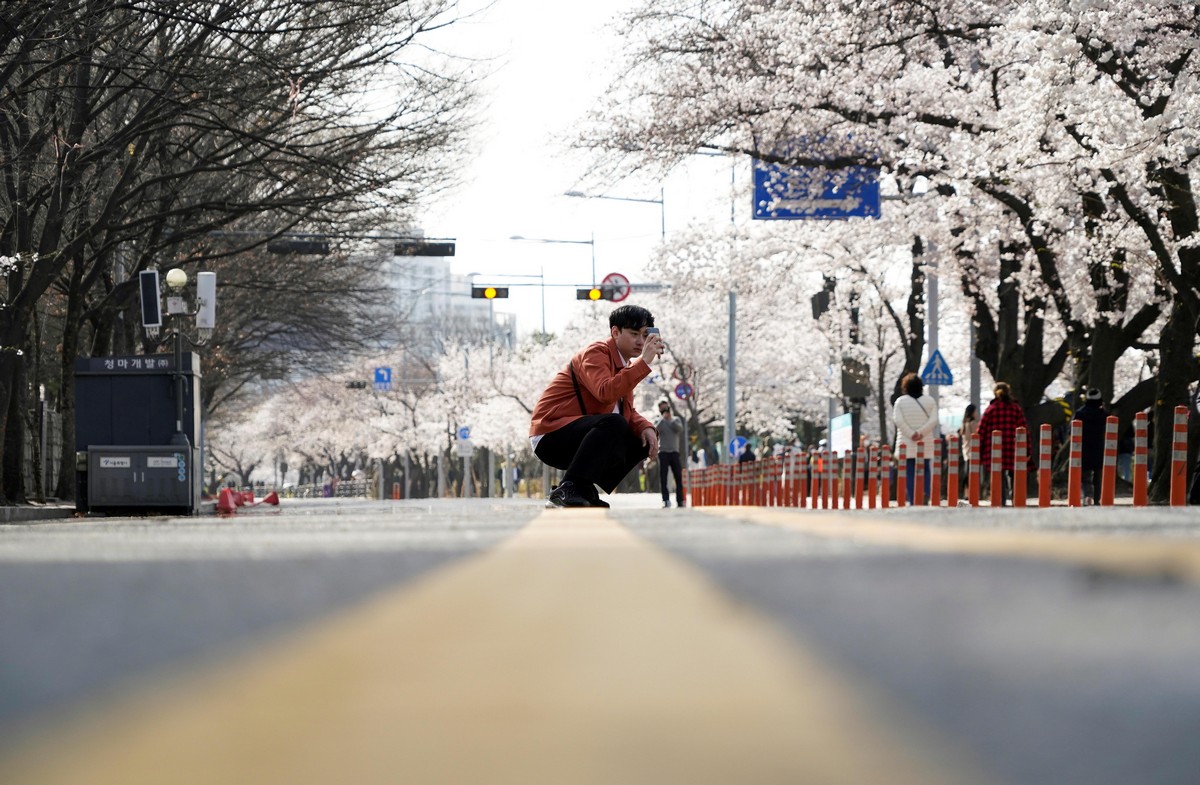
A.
x: 489, y: 292
x: 595, y: 293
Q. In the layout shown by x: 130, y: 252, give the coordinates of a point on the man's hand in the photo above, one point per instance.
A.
x: 650, y: 439
x: 652, y: 348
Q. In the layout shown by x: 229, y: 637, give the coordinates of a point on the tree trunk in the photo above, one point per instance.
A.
x: 1175, y: 372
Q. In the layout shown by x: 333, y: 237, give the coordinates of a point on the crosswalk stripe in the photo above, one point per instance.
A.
x: 1155, y: 556
x: 572, y: 653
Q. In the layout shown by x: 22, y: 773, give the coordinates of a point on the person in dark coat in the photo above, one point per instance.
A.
x: 1094, y: 417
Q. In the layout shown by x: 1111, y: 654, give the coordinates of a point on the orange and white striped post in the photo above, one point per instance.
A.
x: 973, y: 471
x: 952, y: 470
x: 1108, y: 475
x: 1045, y: 442
x: 802, y: 494
x: 1179, y: 458
x: 814, y: 467
x: 935, y: 480
x: 997, y: 469
x: 847, y: 478
x: 835, y: 488
x: 1075, y: 465
x: 1140, y: 450
x: 901, y: 475
x: 919, y: 474
x: 885, y: 477
x: 860, y: 481
x: 1020, y: 466
x: 873, y: 475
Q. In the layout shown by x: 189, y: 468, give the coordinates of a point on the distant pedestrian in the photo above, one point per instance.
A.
x: 698, y: 460
x: 970, y: 424
x: 747, y: 455
x: 670, y: 434
x: 916, y: 418
x: 1003, y: 414
x: 1093, y: 417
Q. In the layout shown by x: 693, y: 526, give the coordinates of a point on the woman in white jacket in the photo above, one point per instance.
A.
x: 916, y: 418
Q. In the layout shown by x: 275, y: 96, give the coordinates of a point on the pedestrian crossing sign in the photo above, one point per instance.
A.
x: 937, y: 372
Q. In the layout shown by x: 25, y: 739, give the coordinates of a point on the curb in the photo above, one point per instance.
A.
x: 25, y: 514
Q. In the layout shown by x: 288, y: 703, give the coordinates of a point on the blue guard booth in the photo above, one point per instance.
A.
x: 136, y: 450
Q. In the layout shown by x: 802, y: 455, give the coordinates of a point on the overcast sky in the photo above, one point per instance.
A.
x: 552, y: 60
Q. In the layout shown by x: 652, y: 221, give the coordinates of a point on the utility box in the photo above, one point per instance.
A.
x: 126, y: 409
x: 139, y: 476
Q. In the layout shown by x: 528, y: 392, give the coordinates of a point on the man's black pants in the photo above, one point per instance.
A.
x: 670, y: 460
x: 598, y: 448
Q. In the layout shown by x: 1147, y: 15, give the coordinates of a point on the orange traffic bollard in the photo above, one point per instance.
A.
x: 919, y: 475
x: 885, y: 477
x: 1179, y: 458
x: 997, y: 469
x: 952, y: 471
x: 1140, y: 448
x: 1044, y: 468
x: 973, y: 471
x: 860, y: 478
x: 1020, y: 466
x: 1075, y: 465
x: 873, y: 475
x: 935, y: 480
x: 901, y: 476
x: 1108, y: 476
x: 847, y: 477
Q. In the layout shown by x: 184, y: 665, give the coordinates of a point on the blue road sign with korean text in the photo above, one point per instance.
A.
x: 937, y: 372
x: 799, y: 192
x: 383, y: 379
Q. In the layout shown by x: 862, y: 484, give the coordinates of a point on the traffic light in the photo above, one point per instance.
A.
x: 489, y: 292
x: 356, y: 385
x: 595, y: 293
x: 424, y: 248
x: 292, y: 245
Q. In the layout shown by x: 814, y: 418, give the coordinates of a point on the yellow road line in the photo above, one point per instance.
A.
x: 1173, y: 557
x: 573, y: 653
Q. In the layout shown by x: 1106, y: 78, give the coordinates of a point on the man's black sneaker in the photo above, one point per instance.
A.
x: 565, y: 494
x: 594, y: 498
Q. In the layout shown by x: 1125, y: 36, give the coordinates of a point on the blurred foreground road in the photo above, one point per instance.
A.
x: 494, y: 641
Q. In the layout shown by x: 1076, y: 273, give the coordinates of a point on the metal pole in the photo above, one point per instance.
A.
x: 593, y: 244
x: 731, y: 379
x: 510, y: 479
x: 931, y: 280
x: 662, y: 212
x: 542, y: 277
x: 975, y: 381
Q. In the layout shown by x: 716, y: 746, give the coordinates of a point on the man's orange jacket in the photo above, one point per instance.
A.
x: 603, y: 380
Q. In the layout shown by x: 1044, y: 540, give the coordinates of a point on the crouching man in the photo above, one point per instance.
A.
x: 585, y: 422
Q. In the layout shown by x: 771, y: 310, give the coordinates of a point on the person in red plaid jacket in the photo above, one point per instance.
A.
x: 1005, y: 415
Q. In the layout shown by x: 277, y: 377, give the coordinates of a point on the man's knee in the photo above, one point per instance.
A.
x: 614, y: 423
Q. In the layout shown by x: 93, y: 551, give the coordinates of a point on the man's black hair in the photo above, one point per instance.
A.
x: 633, y: 317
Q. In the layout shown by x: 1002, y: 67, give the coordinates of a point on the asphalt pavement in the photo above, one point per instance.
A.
x: 639, y: 645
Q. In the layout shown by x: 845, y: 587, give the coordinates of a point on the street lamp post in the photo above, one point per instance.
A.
x: 177, y: 309
x: 660, y: 201
x: 591, y: 242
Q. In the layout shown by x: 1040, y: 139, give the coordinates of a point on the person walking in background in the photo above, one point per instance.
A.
x: 585, y: 423
x: 970, y: 424
x: 670, y: 434
x: 1094, y: 418
x: 916, y: 418
x: 1003, y: 414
